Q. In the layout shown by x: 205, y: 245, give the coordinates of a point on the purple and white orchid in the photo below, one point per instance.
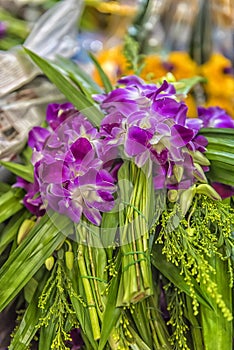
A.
x: 76, y: 164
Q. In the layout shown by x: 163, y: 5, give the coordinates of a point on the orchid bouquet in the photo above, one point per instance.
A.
x: 116, y: 233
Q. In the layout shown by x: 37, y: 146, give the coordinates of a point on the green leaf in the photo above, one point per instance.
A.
x: 220, y: 151
x: 4, y: 188
x: 172, y: 272
x: 47, y: 335
x: 226, y: 133
x: 79, y: 307
x: 65, y: 85
x: 27, y: 328
x: 109, y: 228
x: 183, y: 86
x: 27, y: 155
x: 220, y: 174
x: 9, y: 232
x: 225, y: 159
x: 214, y: 321
x: 24, y: 171
x: 31, y: 254
x: 79, y: 74
x: 112, y: 313
x: 10, y: 203
x: 139, y: 341
x: 221, y: 144
x: 105, y: 80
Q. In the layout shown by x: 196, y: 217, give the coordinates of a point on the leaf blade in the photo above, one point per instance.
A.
x: 67, y: 88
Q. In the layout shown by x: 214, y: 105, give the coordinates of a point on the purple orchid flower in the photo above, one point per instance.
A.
x: 211, y: 117
x: 69, y: 176
x: 77, y: 184
x: 32, y: 200
x: 215, y: 117
x: 149, y: 124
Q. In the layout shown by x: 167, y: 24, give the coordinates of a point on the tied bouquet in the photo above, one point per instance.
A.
x: 118, y: 231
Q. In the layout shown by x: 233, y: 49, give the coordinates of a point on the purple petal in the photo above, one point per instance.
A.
x: 194, y: 123
x: 215, y: 117
x: 55, y: 172
x: 181, y: 135
x: 223, y: 190
x: 80, y: 148
x: 93, y: 215
x: 37, y: 137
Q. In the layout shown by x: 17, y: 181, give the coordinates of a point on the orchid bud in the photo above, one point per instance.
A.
x: 24, y: 229
x: 186, y: 199
x: 199, y: 173
x: 172, y: 195
x: 49, y: 263
x: 208, y: 191
x: 200, y: 158
x: 69, y: 259
x: 178, y: 171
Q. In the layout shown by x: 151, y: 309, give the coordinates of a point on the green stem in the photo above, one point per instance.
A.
x: 136, y: 282
x: 89, y: 295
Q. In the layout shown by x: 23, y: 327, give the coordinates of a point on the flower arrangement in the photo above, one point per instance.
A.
x: 115, y: 234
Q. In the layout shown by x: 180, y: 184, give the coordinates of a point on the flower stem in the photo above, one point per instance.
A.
x: 89, y: 295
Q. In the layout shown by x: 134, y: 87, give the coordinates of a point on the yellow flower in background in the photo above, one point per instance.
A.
x: 219, y: 87
x: 154, y: 68
x: 113, y: 63
x: 192, y: 106
x: 182, y: 66
x: 225, y: 103
x: 217, y: 71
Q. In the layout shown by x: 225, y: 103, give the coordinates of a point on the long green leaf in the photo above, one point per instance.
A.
x: 4, y: 187
x: 10, y: 230
x: 47, y: 335
x: 224, y: 158
x: 220, y: 174
x: 80, y: 309
x: 24, y: 171
x: 111, y: 313
x: 84, y: 78
x: 10, y: 203
x: 27, y: 328
x: 63, y: 83
x: 172, y: 272
x: 31, y: 254
x: 214, y: 322
x: 105, y: 80
x: 218, y: 132
x: 221, y: 144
